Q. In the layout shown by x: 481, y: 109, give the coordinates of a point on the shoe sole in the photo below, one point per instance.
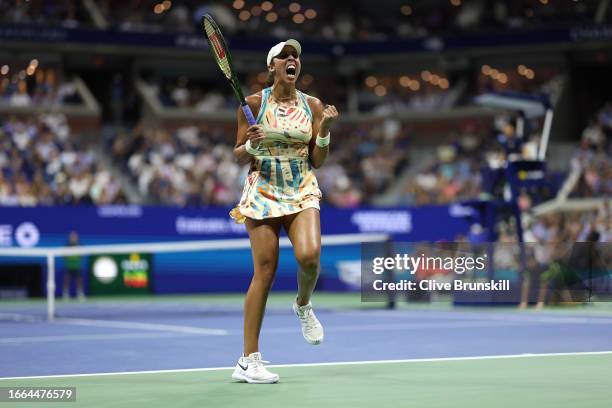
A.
x: 314, y: 342
x: 244, y: 378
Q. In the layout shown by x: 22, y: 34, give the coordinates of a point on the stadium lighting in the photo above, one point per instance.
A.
x: 310, y: 14
x: 158, y: 9
x: 244, y: 15
x: 167, y: 4
x: 267, y: 6
x: 294, y: 7
x: 426, y: 76
x: 371, y: 81
x: 406, y: 10
x: 271, y: 17
x: 298, y: 18
x: 5, y: 69
x: 380, y: 90
x: 307, y: 79
x: 238, y: 4
x: 455, y: 3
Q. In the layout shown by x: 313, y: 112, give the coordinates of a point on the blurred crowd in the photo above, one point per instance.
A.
x: 465, y: 169
x: 366, y: 158
x: 35, y: 86
x: 593, y: 158
x: 189, y: 166
x: 188, y: 93
x: 56, y: 13
x: 313, y: 19
x: 41, y: 165
x: 453, y: 174
x: 194, y: 165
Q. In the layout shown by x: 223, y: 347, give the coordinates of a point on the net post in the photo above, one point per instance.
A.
x: 50, y: 286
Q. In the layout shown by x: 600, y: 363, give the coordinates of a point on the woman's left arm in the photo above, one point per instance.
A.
x: 322, y: 118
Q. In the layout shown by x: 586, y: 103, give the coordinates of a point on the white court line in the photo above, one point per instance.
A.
x: 526, y: 318
x: 121, y: 325
x: 85, y: 337
x: 142, y: 326
x: 398, y: 326
x: 20, y: 317
x: 338, y: 363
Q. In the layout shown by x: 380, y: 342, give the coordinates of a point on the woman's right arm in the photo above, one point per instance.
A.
x: 245, y: 132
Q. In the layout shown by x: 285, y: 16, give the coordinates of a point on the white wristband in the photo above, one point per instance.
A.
x: 323, y: 141
x: 250, y: 149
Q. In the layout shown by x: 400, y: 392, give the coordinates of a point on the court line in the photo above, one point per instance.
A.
x: 86, y: 337
x: 399, y: 326
x: 142, y: 326
x: 526, y: 318
x: 117, y: 324
x: 337, y: 363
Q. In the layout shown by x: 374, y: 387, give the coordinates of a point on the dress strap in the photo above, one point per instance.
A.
x: 305, y: 103
x: 264, y: 103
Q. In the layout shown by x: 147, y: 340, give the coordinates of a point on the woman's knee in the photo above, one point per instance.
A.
x: 309, y: 258
x: 265, y: 270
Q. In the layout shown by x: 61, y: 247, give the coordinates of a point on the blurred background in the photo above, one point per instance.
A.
x: 474, y: 121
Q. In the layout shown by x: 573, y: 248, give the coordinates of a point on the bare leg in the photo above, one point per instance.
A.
x: 66, y: 288
x: 525, y: 293
x: 304, y: 231
x: 542, y: 294
x: 80, y: 288
x: 264, y: 247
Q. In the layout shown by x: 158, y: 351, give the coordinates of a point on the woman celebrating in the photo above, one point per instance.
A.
x: 281, y: 191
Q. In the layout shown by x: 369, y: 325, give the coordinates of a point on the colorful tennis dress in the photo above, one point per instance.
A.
x: 281, y: 180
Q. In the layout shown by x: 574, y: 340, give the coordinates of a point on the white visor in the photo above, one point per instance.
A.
x: 278, y: 48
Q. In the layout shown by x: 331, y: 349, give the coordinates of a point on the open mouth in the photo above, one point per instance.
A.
x: 291, y: 70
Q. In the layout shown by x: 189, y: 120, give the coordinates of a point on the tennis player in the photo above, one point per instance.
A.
x: 291, y: 137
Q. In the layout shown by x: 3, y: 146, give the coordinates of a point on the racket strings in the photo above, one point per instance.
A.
x: 218, y: 49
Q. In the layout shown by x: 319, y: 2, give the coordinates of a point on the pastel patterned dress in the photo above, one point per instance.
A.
x: 280, y: 180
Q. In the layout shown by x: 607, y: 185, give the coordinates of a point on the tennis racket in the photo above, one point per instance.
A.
x: 220, y: 52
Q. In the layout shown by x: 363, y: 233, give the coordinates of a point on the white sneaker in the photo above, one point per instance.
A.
x: 311, y: 327
x: 251, y: 369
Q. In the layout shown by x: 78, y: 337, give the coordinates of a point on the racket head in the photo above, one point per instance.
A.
x: 220, y: 52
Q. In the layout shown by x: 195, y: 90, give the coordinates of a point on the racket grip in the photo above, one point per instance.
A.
x: 248, y: 114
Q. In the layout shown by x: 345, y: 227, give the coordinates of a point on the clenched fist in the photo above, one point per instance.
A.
x: 330, y: 114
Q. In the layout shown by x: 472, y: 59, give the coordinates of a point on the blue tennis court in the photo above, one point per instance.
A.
x: 202, y: 332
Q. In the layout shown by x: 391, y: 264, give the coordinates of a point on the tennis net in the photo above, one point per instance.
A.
x: 131, y: 277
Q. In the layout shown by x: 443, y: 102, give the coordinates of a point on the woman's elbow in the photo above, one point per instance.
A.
x: 240, y: 157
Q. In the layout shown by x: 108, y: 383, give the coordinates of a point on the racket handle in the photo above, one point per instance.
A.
x: 248, y: 114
